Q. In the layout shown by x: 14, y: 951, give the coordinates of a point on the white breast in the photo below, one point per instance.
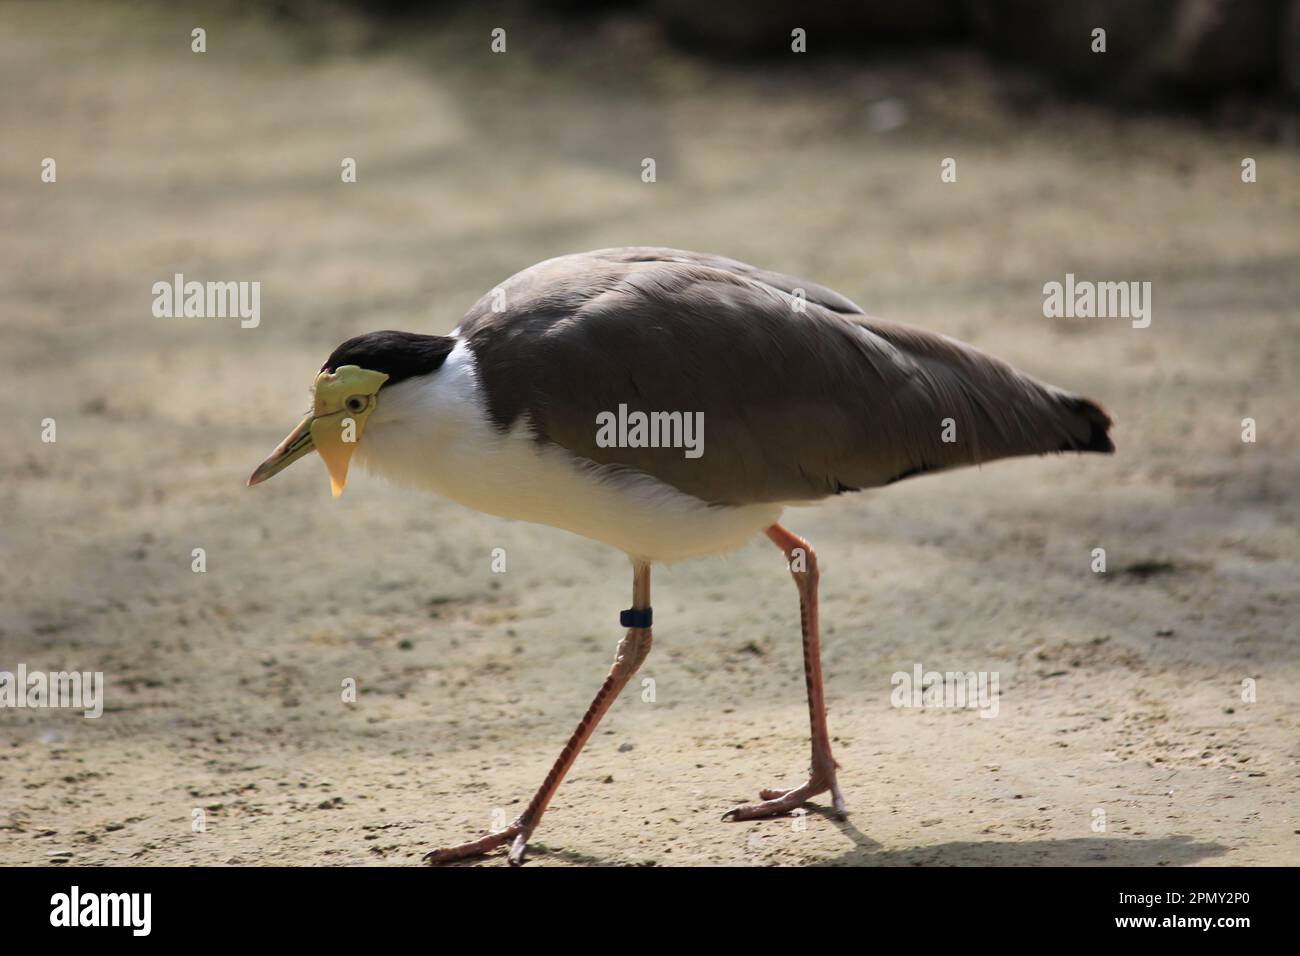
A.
x: 434, y: 432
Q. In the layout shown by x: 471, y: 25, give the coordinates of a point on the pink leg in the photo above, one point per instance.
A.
x: 803, y: 567
x: 632, y: 651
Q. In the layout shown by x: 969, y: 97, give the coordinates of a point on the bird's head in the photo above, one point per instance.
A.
x: 346, y: 393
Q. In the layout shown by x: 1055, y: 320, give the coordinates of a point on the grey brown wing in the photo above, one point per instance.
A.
x: 560, y: 282
x: 810, y: 291
x: 796, y: 405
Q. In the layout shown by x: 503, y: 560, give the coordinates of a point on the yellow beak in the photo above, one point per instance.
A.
x: 332, y: 428
x: 296, y: 444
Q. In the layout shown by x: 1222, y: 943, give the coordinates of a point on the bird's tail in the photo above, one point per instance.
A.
x: 1089, y: 426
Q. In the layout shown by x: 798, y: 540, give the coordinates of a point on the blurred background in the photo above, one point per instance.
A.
x: 223, y: 686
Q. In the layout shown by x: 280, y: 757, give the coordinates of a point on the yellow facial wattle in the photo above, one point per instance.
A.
x: 343, y: 401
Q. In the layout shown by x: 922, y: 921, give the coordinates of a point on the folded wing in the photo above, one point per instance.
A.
x: 802, y: 395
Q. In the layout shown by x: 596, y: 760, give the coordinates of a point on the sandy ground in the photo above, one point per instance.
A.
x: 1121, y: 693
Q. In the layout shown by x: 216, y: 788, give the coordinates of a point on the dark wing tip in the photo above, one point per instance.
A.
x: 1098, y: 424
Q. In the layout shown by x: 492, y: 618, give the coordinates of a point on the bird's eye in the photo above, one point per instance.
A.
x: 355, y: 404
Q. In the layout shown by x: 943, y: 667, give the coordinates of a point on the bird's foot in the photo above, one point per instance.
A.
x: 776, y: 802
x: 516, y: 835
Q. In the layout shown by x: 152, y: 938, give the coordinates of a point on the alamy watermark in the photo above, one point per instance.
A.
x: 130, y: 910
x: 952, y: 689
x: 1083, y: 299
x: 53, y: 689
x: 179, y: 299
x: 624, y: 429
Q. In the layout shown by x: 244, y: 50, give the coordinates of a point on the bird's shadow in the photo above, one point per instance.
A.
x: 1098, y: 850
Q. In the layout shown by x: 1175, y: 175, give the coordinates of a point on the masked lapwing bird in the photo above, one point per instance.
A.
x: 671, y: 405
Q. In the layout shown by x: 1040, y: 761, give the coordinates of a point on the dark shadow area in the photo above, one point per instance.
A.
x: 1082, y: 851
